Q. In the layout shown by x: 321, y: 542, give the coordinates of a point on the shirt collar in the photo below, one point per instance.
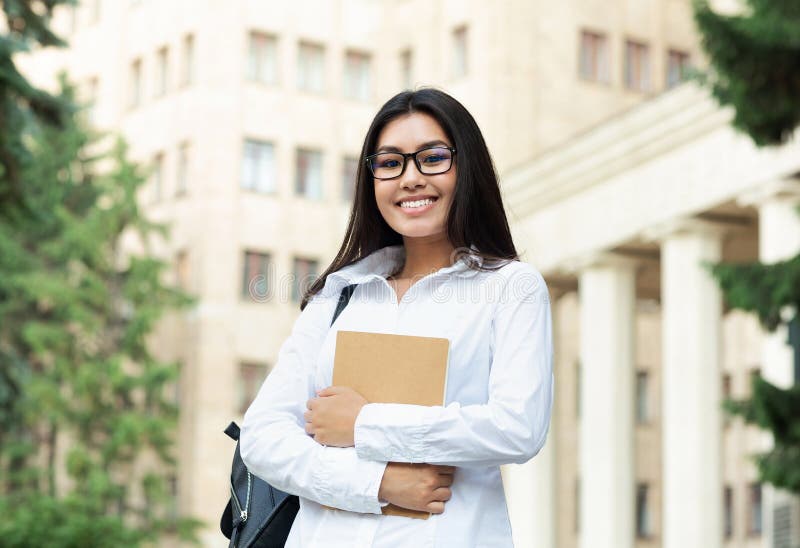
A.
x: 386, y: 260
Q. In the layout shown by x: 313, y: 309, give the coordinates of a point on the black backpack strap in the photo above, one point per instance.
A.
x: 233, y: 431
x: 344, y: 298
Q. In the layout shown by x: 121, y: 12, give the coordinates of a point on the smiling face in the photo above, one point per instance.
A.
x: 414, y: 204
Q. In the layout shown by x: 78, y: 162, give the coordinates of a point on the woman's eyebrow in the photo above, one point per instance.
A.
x: 389, y: 148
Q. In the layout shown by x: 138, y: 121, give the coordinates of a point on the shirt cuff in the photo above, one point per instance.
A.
x: 390, y: 432
x: 349, y: 482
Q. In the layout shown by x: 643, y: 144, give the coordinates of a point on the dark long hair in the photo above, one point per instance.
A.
x: 476, y: 217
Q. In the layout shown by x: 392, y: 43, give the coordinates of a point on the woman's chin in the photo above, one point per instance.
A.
x: 418, y: 232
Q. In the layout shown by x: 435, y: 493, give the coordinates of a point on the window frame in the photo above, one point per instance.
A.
x: 637, y: 70
x: 643, y: 511
x: 252, y: 150
x: 459, y: 40
x: 301, y: 181
x: 594, y: 60
x: 357, y: 74
x: 307, y: 79
x: 298, y: 288
x: 162, y: 72
x: 262, y: 47
x: 188, y: 52
x: 684, y: 61
x: 250, y: 258
x: 249, y: 384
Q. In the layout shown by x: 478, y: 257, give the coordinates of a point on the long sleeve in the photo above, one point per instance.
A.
x: 274, y: 444
x: 511, y: 426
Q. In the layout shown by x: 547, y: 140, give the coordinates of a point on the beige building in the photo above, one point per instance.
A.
x: 251, y: 115
x: 646, y: 351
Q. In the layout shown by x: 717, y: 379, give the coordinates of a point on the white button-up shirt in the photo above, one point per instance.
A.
x: 496, y: 410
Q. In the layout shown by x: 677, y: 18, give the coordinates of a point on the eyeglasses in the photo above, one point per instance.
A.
x: 429, y: 161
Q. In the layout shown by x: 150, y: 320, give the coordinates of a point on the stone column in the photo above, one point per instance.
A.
x: 607, y: 286
x: 691, y: 323
x: 778, y: 239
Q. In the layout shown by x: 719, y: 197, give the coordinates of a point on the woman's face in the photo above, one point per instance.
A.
x: 396, y: 197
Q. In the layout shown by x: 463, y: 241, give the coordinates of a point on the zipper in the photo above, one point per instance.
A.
x: 243, y: 511
x: 249, y: 489
x: 235, y: 500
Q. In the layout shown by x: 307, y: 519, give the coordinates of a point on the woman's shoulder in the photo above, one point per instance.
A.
x: 516, y: 269
x: 520, y: 278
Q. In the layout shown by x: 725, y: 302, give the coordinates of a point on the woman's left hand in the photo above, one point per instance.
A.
x: 331, y: 417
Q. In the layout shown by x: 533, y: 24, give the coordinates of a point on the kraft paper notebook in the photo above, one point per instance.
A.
x: 387, y: 368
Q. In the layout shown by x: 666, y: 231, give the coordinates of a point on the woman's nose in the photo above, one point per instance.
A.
x: 412, y: 178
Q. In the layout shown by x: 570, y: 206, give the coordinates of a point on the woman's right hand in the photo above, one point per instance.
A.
x: 423, y: 487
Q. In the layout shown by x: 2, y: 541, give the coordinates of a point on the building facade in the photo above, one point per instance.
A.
x: 250, y: 114
x: 646, y: 350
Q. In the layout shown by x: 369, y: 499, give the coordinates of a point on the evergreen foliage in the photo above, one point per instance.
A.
x: 755, y: 65
x: 755, y: 68
x: 86, y: 415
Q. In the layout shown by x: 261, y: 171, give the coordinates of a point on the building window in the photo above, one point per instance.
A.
x: 173, y: 507
x: 73, y: 19
x: 311, y: 68
x: 305, y: 272
x: 182, y: 175
x: 349, y: 175
x: 754, y: 375
x: 727, y: 512
x: 174, y: 387
x: 642, y: 397
x: 256, y: 282
x: 677, y: 65
x: 726, y: 395
x: 135, y: 92
x: 754, y: 509
x: 258, y: 166
x: 726, y: 385
x: 187, y: 70
x: 578, y: 390
x: 460, y: 52
x: 94, y: 11
x: 182, y: 270
x: 157, y: 177
x: 308, y: 174
x: 643, y: 522
x: 594, y: 57
x: 162, y: 71
x: 357, y: 75
x: 251, y: 376
x: 89, y: 94
x: 637, y: 66
x: 262, y: 58
x: 406, y: 69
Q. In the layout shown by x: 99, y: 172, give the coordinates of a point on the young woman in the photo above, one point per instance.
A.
x: 429, y: 246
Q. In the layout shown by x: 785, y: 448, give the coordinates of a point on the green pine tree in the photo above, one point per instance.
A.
x: 86, y: 420
x: 755, y: 68
x: 755, y: 65
x: 765, y: 290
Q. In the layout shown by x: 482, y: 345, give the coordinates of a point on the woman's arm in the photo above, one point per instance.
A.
x: 273, y: 443
x: 510, y: 427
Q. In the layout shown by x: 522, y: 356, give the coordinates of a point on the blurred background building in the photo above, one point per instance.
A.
x: 250, y: 115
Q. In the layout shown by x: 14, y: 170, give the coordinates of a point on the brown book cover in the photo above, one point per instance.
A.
x: 386, y: 368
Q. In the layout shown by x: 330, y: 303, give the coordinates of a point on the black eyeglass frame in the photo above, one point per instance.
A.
x: 406, y: 156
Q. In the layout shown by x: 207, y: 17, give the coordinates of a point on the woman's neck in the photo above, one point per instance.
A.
x: 424, y: 256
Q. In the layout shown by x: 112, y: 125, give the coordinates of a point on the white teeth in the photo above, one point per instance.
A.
x: 417, y: 203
